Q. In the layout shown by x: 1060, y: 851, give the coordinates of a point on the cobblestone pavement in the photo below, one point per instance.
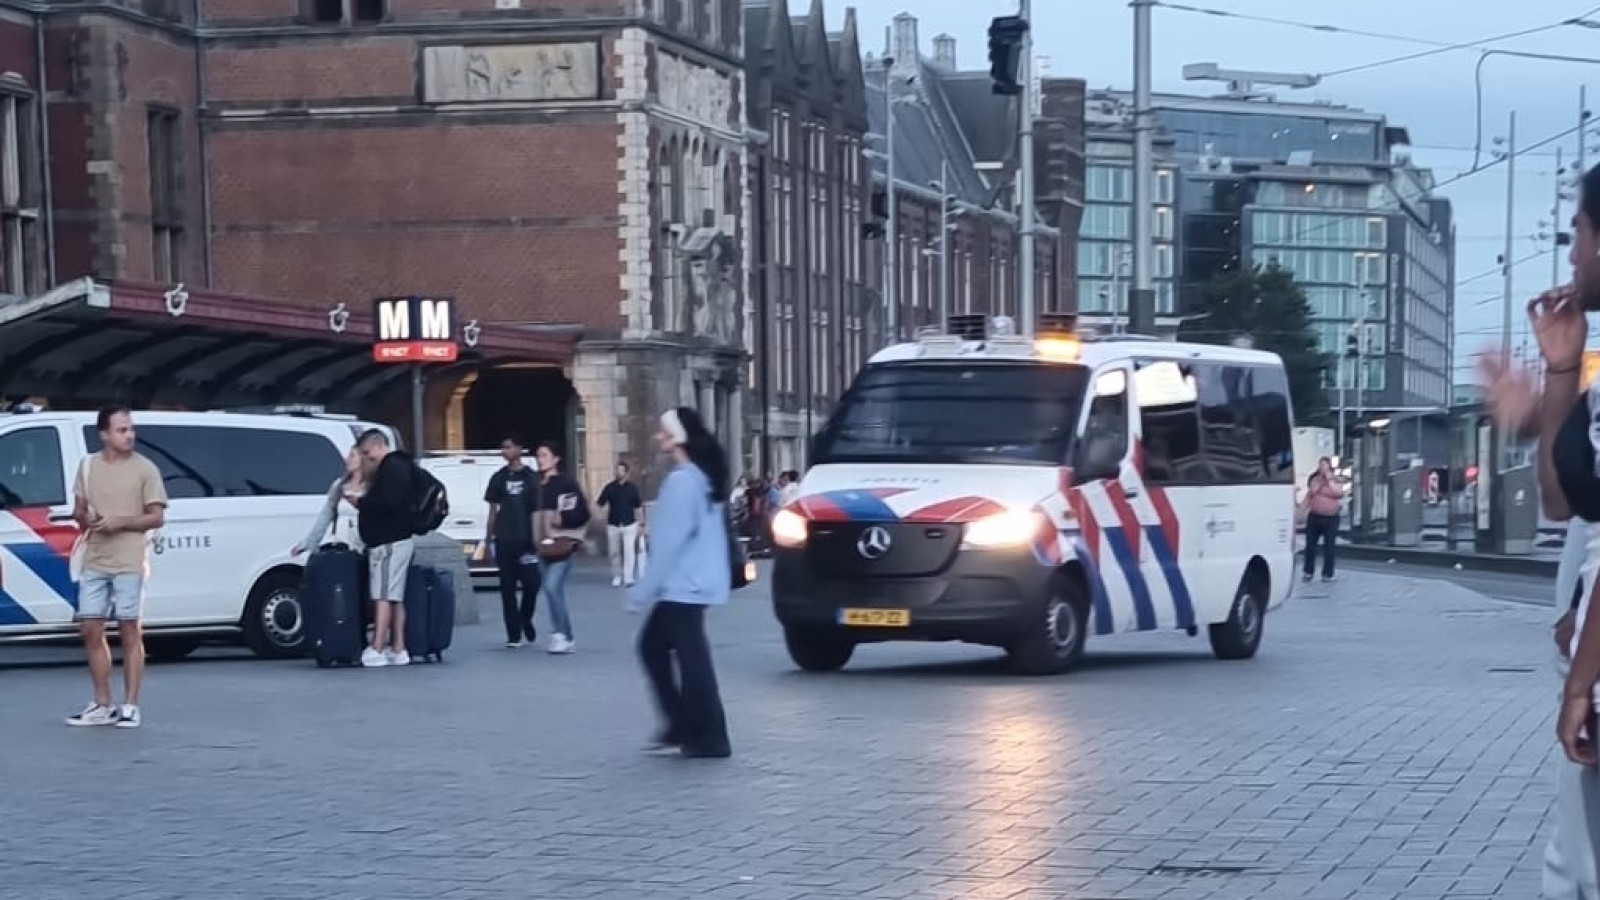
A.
x: 1392, y: 740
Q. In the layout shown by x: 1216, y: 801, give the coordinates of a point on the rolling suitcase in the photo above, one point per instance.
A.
x: 430, y: 612
x: 332, y: 606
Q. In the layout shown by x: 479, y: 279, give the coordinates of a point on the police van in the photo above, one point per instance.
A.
x: 243, y: 490
x: 977, y: 485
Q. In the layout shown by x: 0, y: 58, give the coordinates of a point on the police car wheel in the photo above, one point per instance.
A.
x: 818, y: 651
x: 1240, y: 636
x: 274, y: 621
x: 1055, y: 643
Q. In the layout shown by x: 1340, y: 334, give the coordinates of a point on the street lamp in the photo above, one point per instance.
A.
x: 947, y: 214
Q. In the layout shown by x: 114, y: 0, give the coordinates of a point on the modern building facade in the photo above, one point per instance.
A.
x: 1328, y: 193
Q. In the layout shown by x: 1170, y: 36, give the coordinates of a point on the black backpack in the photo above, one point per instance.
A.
x: 430, y: 504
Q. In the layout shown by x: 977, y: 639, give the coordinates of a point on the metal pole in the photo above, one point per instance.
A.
x: 1340, y: 372
x: 1141, y: 299
x: 1555, y: 226
x: 418, y: 443
x: 1360, y: 331
x: 1583, y: 120
x: 944, y: 243
x: 1502, y: 451
x: 891, y: 281
x: 1027, y: 270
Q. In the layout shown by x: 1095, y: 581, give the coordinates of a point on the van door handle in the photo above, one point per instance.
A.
x: 1131, y: 493
x: 61, y: 518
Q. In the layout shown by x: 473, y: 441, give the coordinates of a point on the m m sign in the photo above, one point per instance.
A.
x: 414, y: 329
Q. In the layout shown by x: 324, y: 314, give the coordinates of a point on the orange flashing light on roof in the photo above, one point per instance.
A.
x: 1059, y: 348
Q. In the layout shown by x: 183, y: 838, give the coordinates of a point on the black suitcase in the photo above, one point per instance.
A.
x: 430, y: 612
x: 331, y: 602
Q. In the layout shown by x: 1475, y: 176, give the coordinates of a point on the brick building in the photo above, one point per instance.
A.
x: 560, y: 168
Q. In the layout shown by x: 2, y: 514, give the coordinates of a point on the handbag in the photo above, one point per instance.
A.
x: 558, y: 549
x: 80, y: 547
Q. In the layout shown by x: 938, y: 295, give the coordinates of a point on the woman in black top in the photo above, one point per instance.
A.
x: 561, y: 515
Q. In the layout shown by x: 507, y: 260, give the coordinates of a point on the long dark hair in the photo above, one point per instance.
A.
x: 703, y: 450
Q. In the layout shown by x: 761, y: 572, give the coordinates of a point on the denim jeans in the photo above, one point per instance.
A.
x: 555, y: 594
x: 1569, y: 857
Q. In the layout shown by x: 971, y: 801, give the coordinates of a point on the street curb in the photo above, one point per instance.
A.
x: 1476, y: 562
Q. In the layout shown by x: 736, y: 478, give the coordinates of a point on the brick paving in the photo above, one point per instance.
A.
x: 1392, y: 740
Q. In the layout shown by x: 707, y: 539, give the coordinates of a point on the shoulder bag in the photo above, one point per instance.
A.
x: 80, y: 547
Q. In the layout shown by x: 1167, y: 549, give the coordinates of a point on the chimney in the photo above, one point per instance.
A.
x: 906, y: 49
x: 944, y: 52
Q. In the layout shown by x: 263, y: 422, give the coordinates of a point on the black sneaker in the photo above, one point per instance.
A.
x: 1306, y: 578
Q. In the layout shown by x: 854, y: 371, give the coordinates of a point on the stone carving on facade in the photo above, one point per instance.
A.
x: 693, y: 91
x: 713, y: 291
x: 502, y: 73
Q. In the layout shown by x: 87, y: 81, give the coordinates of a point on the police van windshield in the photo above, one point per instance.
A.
x: 956, y: 412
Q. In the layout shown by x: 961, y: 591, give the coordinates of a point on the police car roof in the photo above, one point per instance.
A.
x: 168, y: 417
x: 1094, y: 352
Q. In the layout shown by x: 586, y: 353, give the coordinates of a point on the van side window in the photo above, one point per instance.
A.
x: 1227, y: 426
x: 1273, y: 428
x: 1169, y: 416
x: 1105, y: 433
x: 30, y: 469
x: 199, y: 461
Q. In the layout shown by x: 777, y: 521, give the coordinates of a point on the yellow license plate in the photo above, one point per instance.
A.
x: 875, y: 618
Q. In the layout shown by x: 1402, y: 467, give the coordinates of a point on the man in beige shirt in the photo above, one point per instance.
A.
x: 119, y: 500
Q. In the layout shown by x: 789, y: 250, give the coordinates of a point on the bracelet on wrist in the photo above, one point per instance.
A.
x: 1562, y: 370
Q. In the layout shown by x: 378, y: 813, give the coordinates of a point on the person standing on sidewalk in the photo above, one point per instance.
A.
x: 622, y: 504
x: 118, y: 499
x: 1569, y: 859
x: 384, y: 519
x: 688, y: 571
x: 560, y: 520
x: 510, y: 497
x: 1324, y: 500
x: 336, y: 510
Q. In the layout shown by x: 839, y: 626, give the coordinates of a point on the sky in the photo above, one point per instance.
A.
x: 1432, y: 97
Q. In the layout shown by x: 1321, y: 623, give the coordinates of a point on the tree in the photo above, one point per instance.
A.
x: 1266, y: 307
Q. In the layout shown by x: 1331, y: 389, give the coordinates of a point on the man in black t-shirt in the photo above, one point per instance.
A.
x: 510, y: 496
x: 622, y: 502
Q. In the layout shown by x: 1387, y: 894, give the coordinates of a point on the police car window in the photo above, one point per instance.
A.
x: 267, y: 463
x: 1169, y: 415
x: 1227, y: 424
x: 30, y: 469
x: 956, y: 413
x: 1270, y: 395
x: 189, y: 458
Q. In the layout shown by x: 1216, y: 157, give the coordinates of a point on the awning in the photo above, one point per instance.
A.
x: 152, y: 345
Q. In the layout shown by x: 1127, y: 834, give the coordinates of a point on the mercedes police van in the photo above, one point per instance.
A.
x: 242, y: 489
x: 1023, y: 493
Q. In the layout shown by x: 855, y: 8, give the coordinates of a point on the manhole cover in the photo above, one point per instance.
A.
x: 1200, y: 871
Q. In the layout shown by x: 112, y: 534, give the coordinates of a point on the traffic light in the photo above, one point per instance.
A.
x: 1005, y: 53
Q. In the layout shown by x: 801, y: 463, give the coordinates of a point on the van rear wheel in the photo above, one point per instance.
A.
x: 274, y: 620
x: 818, y: 650
x: 1054, y: 640
x: 1240, y: 636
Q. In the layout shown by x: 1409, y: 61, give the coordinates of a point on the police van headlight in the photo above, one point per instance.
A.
x: 789, y: 529
x: 1013, y: 528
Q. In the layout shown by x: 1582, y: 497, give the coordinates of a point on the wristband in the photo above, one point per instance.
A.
x: 1568, y: 370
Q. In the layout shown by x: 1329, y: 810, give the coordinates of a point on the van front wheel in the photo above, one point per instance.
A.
x: 1240, y: 636
x: 1054, y: 640
x: 274, y: 619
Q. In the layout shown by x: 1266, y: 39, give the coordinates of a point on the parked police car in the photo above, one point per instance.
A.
x: 243, y: 490
x: 1024, y: 493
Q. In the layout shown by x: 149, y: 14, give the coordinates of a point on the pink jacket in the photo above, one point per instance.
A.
x: 1325, y: 498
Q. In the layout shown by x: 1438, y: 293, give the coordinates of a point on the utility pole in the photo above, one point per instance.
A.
x: 1142, y: 298
x: 1583, y: 121
x: 1555, y: 222
x: 1025, y: 102
x: 944, y: 243
x: 891, y: 279
x: 1503, y: 448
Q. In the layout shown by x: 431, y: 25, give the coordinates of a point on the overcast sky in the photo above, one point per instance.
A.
x: 1432, y: 97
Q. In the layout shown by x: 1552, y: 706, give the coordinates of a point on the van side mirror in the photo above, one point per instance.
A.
x: 1100, y: 456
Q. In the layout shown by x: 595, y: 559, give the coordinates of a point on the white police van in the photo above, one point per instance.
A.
x: 1023, y: 493
x: 243, y: 491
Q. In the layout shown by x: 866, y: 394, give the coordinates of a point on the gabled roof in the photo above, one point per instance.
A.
x: 782, y: 46
x: 927, y: 133
x: 989, y: 124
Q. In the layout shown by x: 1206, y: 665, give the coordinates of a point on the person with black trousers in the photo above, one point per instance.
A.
x: 510, y: 533
x: 689, y: 570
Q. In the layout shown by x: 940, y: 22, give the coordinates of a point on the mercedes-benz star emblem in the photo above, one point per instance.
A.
x: 874, y: 543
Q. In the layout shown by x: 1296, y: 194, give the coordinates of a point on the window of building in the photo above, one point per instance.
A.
x: 338, y: 12
x: 1161, y: 223
x: 1165, y: 180
x: 20, y: 272
x: 31, y: 472
x: 1109, y: 184
x: 165, y: 162
x: 1163, y: 262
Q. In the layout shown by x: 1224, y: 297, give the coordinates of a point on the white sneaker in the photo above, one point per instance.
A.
x: 514, y: 645
x: 402, y: 658
x: 94, y: 714
x: 128, y: 716
x: 616, y: 582
x: 561, y: 644
x: 372, y: 659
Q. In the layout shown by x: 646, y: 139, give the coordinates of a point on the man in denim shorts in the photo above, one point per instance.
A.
x: 119, y: 500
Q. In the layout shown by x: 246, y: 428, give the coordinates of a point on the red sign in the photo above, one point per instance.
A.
x: 414, y: 330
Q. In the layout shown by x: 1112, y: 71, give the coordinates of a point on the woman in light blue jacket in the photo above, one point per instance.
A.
x: 687, y: 572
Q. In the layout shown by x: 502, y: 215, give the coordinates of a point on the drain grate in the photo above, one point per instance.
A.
x: 1511, y: 670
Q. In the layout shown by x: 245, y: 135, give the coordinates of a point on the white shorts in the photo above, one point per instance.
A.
x: 387, y: 565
